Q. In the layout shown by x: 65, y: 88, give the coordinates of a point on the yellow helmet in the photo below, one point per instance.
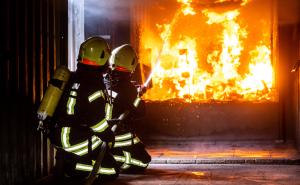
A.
x: 123, y: 59
x: 94, y: 51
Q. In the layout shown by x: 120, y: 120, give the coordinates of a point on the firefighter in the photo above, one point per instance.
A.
x: 128, y: 150
x: 81, y: 125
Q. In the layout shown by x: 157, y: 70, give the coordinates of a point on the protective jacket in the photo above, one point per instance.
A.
x: 128, y: 150
x: 81, y: 121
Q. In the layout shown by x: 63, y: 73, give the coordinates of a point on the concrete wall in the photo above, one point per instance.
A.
x: 215, y: 121
x: 298, y: 124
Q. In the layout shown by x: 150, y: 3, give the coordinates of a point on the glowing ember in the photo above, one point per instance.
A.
x: 223, y: 70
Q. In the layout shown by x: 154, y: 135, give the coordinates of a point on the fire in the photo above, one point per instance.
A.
x: 187, y: 9
x: 260, y: 77
x: 183, y: 71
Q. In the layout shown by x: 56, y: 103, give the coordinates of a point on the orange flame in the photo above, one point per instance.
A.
x: 187, y: 9
x: 181, y: 75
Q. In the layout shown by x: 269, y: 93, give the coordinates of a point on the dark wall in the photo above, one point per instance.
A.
x: 289, y: 52
x: 295, y: 101
x: 298, y: 94
x: 33, y: 43
x: 288, y: 35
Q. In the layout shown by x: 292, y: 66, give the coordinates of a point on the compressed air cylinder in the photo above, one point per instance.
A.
x: 53, y: 92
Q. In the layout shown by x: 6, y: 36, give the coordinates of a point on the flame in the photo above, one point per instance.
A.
x: 180, y: 74
x: 198, y: 173
x: 243, y: 2
x: 187, y: 9
x: 260, y: 77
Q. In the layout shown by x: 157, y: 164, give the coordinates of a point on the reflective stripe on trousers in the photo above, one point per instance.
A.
x: 123, y: 137
x: 80, y: 148
x: 127, y: 142
x: 128, y: 161
x: 101, y: 126
x: 89, y: 168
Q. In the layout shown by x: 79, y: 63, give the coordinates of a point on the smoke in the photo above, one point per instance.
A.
x: 111, y: 10
x: 119, y: 10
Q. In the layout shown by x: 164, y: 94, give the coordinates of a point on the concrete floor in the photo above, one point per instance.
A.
x: 223, y: 152
x: 186, y: 174
x: 214, y: 162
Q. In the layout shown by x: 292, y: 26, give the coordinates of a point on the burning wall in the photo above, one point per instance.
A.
x: 220, y: 50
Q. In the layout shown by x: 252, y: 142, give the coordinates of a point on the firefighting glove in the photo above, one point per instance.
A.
x: 112, y: 122
x: 46, y: 125
x: 141, y: 89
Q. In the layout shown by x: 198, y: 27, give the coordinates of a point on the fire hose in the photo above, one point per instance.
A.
x: 93, y: 175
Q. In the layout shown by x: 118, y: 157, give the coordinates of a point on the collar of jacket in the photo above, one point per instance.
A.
x: 121, y: 76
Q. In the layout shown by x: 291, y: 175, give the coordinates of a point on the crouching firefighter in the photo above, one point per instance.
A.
x: 80, y: 120
x: 128, y: 150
